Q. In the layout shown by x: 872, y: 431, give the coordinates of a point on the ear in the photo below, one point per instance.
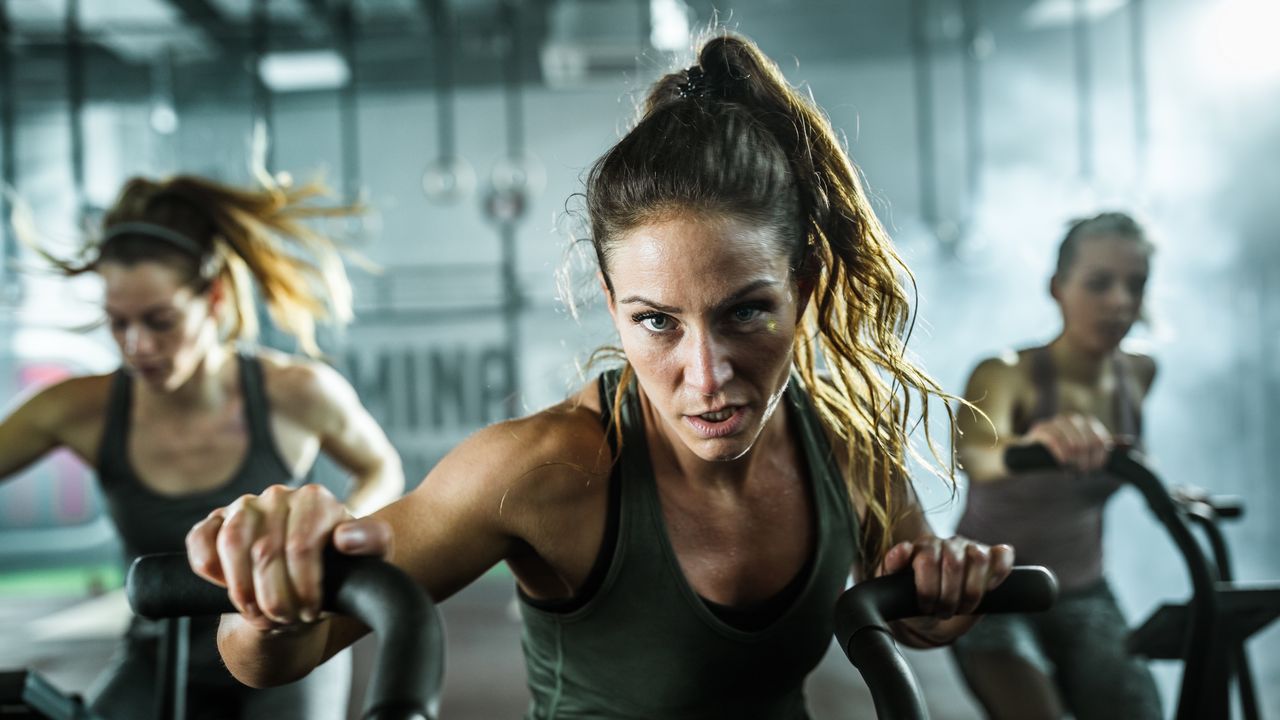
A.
x: 1054, y: 291
x: 217, y: 293
x: 608, y: 296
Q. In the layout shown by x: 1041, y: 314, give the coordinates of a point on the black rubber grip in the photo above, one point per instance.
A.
x: 893, y: 597
x: 164, y: 586
x: 408, y: 672
x: 1029, y: 458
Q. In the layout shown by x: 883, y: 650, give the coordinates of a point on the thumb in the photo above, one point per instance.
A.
x: 365, y: 536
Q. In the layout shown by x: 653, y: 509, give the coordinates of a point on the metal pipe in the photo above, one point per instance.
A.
x: 75, y: 109
x: 922, y: 60
x: 1084, y: 88
x: 349, y: 105
x: 9, y: 164
x: 973, y: 156
x: 511, y: 292
x: 1141, y: 109
x: 263, y: 112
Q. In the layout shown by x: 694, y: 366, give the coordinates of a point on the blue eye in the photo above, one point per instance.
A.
x: 655, y: 322
x: 746, y: 313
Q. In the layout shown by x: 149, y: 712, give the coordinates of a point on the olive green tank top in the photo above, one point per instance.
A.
x: 639, y: 642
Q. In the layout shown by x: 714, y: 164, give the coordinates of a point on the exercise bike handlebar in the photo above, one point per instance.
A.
x: 1203, y: 648
x: 409, y: 668
x: 864, y: 611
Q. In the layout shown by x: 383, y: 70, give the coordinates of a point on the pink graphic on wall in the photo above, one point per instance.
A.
x: 55, y: 492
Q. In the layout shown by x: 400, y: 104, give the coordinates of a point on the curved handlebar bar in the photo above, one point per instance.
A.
x: 863, y: 611
x: 1203, y: 647
x: 409, y: 668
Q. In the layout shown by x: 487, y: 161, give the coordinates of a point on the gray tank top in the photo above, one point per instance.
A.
x: 1052, y: 518
x: 149, y: 522
x: 643, y: 644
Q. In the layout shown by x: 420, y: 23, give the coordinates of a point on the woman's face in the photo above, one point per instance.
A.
x: 706, y: 308
x: 163, y: 327
x: 1101, y: 291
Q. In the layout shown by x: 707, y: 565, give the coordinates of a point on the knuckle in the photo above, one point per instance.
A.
x: 296, y: 548
x: 264, y: 549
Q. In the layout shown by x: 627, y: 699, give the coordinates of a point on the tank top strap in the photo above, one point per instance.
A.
x: 1127, y: 412
x: 113, y: 463
x: 263, y: 450
x: 831, y: 495
x: 1044, y: 379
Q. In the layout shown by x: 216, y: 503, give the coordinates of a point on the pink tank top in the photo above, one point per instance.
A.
x: 1052, y: 518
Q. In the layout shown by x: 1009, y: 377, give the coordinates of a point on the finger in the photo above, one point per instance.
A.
x: 312, y: 516
x: 925, y: 565
x: 1075, y: 434
x: 366, y: 536
x: 1001, y: 564
x: 202, y: 548
x: 898, y: 558
x: 234, y: 544
x: 977, y: 568
x: 1102, y: 442
x: 270, y: 570
x: 951, y: 580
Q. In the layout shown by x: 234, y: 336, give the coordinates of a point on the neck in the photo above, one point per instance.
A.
x: 206, y: 388
x: 1073, y: 360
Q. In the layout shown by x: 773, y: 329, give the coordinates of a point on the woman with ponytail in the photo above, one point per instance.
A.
x: 196, y: 417
x: 679, y: 529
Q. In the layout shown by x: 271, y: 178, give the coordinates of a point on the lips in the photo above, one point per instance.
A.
x: 718, y: 423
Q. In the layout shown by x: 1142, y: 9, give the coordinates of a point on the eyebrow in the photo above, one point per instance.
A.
x: 735, y: 297
x: 153, y: 310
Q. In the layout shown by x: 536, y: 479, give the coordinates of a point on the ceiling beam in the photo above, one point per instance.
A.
x: 203, y: 15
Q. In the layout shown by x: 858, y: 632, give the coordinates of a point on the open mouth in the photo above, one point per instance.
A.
x: 718, y: 423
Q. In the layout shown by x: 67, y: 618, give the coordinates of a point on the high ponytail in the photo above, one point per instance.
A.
x: 209, y: 231
x: 730, y: 136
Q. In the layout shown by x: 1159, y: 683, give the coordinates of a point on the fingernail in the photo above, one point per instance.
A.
x: 308, y: 615
x: 353, y: 536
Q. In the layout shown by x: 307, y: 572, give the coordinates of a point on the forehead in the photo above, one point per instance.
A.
x: 141, y: 285
x: 1115, y: 253
x: 696, y: 256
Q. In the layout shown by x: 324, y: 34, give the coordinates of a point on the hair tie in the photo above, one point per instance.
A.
x: 695, y: 83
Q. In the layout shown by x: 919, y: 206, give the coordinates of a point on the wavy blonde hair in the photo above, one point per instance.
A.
x: 243, y: 237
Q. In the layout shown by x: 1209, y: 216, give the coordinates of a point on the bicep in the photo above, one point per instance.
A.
x: 445, y: 534
x: 27, y: 434
x: 453, y: 527
x: 347, y: 432
x: 986, y: 422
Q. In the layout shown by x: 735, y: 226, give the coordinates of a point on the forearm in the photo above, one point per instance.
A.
x: 376, y: 487
x: 263, y: 659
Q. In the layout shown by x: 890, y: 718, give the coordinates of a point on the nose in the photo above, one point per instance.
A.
x: 137, y: 341
x: 1123, y: 297
x: 706, y: 368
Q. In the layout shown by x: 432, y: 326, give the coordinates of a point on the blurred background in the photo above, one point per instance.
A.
x: 981, y: 126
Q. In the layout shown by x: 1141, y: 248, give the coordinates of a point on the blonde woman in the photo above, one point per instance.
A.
x: 191, y: 421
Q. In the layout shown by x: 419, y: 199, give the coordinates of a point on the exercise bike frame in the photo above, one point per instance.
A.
x: 1208, y: 654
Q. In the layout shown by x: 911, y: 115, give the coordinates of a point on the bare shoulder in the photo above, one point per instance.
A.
x: 71, y: 401
x: 541, y: 457
x: 1144, y: 368
x: 1007, y: 369
x: 301, y: 387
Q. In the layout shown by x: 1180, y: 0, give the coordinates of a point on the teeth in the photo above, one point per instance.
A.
x: 717, y: 416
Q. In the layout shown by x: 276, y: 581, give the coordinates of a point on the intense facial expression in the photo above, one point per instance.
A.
x: 1101, y: 292
x: 706, y: 308
x: 163, y: 327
